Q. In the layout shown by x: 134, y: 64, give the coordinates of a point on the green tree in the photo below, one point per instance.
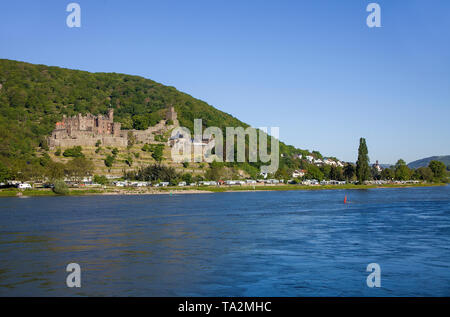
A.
x: 45, y: 159
x: 424, y: 173
x: 73, y: 152
x: 79, y: 167
x: 129, y: 160
x: 215, y: 172
x: 155, y: 172
x: 438, y: 169
x: 349, y: 172
x: 55, y: 170
x: 100, y: 179
x: 326, y: 170
x: 32, y: 171
x: 109, y: 161
x: 336, y: 173
x: 317, y: 154
x: 402, y: 171
x: 131, y: 139
x: 158, y: 153
x: 199, y: 178
x: 187, y: 177
x: 160, y: 138
x: 313, y: 172
x: 362, y: 165
x: 4, y: 173
x: 60, y: 188
x: 281, y: 173
x: 388, y: 173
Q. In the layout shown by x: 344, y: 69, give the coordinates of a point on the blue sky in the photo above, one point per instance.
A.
x: 312, y: 68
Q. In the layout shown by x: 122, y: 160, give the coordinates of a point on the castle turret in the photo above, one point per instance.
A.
x: 111, y: 114
x: 171, y: 114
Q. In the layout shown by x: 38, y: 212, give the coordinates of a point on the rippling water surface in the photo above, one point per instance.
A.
x: 291, y: 243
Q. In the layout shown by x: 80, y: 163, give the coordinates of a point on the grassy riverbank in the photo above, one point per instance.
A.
x: 195, y: 190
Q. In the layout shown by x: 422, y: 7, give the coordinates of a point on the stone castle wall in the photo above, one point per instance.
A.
x: 148, y: 135
x: 88, y: 130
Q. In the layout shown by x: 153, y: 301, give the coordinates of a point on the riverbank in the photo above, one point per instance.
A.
x: 109, y: 190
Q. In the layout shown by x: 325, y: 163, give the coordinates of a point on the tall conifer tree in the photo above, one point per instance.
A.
x: 362, y: 165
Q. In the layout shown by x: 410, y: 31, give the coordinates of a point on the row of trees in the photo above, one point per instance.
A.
x: 361, y: 171
x: 160, y: 173
x: 45, y: 169
x: 434, y: 172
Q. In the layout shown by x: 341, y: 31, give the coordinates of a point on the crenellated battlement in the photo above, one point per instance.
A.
x: 87, y: 130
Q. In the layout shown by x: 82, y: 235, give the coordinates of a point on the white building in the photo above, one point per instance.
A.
x: 377, y: 167
x: 328, y: 161
x: 298, y: 173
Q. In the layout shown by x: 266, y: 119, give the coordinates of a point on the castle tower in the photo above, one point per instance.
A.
x: 171, y: 114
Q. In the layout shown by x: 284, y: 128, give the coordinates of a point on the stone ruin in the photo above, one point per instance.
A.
x: 88, y: 130
x: 148, y: 135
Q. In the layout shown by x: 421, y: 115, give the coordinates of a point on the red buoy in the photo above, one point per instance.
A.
x: 345, y: 199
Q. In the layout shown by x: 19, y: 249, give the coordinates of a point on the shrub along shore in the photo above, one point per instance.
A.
x: 109, y: 190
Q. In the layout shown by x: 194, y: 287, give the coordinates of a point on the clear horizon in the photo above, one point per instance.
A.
x: 312, y: 68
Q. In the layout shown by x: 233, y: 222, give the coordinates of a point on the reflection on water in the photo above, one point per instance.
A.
x: 296, y: 243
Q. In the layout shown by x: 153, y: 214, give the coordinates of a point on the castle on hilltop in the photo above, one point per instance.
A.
x: 87, y: 130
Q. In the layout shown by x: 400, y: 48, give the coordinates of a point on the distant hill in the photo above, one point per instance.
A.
x: 425, y: 161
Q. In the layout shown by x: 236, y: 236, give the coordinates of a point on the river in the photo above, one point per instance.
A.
x: 280, y: 243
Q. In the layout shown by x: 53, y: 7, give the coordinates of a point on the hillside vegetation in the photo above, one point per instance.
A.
x: 34, y: 97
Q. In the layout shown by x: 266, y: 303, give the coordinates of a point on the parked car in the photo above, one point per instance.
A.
x: 24, y: 186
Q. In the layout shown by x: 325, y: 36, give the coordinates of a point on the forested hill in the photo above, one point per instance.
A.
x: 425, y: 161
x: 34, y: 97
